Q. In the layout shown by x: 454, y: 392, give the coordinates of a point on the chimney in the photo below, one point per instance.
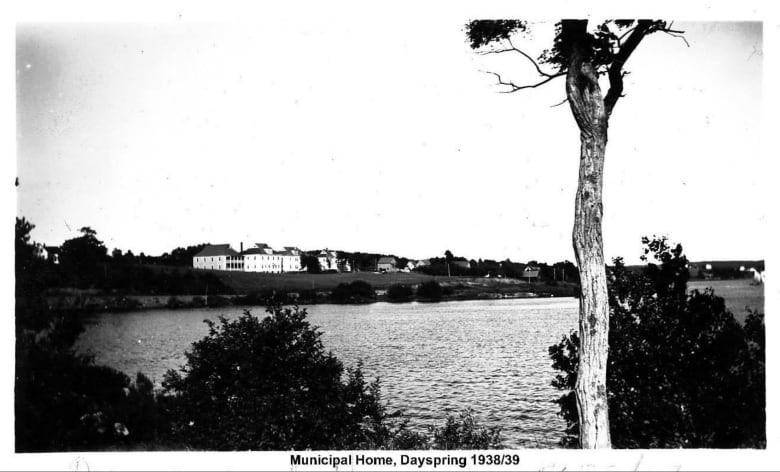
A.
x: 242, y: 246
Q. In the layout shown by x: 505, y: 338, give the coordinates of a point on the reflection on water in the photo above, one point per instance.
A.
x: 432, y: 359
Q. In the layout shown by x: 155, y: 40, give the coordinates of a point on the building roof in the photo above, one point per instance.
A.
x: 255, y: 250
x: 287, y: 251
x: 386, y: 260
x: 217, y: 250
x: 531, y: 271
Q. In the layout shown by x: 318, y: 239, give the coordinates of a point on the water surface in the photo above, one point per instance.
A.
x: 432, y: 359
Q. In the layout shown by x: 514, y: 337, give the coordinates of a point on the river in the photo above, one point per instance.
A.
x: 432, y: 359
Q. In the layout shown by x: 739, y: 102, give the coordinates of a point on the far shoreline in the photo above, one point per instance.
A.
x: 96, y: 304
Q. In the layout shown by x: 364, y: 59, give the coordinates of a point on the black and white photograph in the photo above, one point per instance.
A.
x: 378, y: 236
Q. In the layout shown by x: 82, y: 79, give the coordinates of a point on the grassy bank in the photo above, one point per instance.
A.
x: 739, y: 294
x: 253, y: 289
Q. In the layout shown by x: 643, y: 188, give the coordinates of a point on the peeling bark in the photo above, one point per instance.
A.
x: 588, y: 108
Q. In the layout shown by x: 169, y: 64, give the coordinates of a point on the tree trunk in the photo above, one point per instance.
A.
x: 591, y: 388
x: 587, y: 106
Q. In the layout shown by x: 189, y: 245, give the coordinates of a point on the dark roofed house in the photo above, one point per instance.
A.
x: 386, y: 264
x: 218, y: 257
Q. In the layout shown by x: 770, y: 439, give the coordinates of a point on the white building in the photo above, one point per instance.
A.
x: 262, y: 258
x: 291, y: 259
x: 218, y: 257
x: 328, y: 260
x: 259, y: 258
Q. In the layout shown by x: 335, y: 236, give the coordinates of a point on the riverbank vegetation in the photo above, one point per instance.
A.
x: 252, y: 383
x: 683, y: 372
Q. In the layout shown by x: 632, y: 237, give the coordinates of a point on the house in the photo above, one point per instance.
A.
x: 531, y: 272
x: 344, y: 265
x: 328, y: 260
x: 290, y: 259
x: 218, y: 257
x: 50, y: 254
x: 386, y: 264
x: 410, y: 266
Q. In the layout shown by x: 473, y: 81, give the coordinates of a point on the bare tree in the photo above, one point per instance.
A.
x: 582, y: 56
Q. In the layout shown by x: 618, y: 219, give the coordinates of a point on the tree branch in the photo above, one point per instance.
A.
x: 615, y: 72
x: 515, y: 87
x: 560, y: 103
x: 676, y: 34
x: 512, y: 48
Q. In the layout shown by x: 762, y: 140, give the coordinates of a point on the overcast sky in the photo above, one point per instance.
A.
x: 347, y: 134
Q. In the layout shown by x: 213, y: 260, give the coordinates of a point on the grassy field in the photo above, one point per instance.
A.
x: 737, y: 293
x: 247, y: 282
x: 468, y: 287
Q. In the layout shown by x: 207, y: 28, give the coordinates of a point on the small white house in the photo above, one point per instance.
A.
x: 328, y: 260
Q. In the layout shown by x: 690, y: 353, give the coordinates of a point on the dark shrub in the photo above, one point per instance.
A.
x: 682, y: 372
x: 430, y: 290
x: 174, y: 303
x: 65, y: 403
x: 123, y: 303
x: 465, y: 433
x: 217, y: 301
x: 266, y: 384
x: 398, y: 292
x: 355, y: 291
x: 198, y: 302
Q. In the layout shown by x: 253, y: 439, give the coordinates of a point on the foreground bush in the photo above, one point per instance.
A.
x: 465, y: 433
x: 682, y: 372
x: 62, y: 401
x: 269, y: 384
